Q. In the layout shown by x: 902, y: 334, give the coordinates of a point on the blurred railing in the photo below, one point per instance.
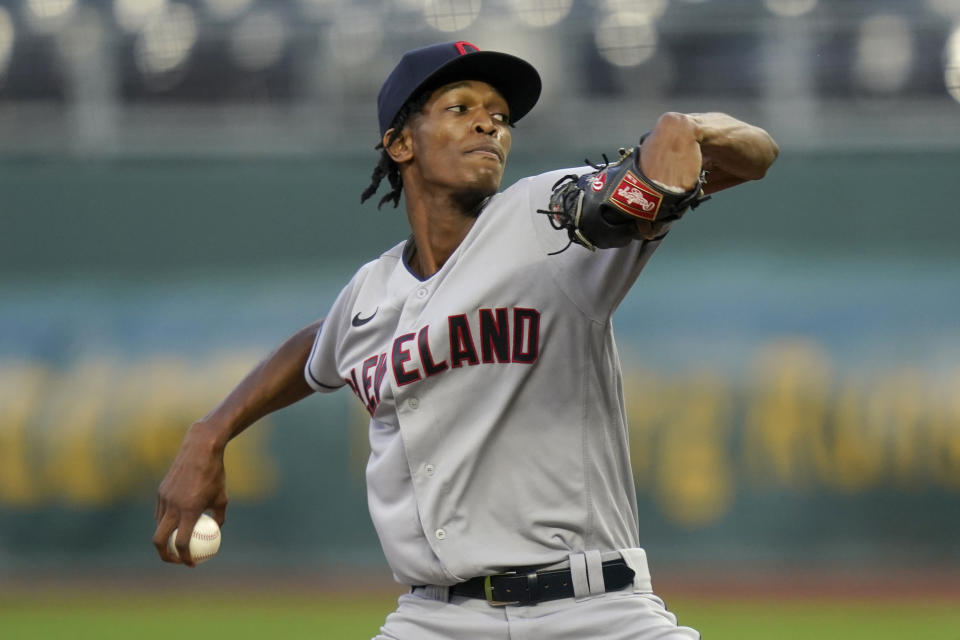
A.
x: 109, y: 77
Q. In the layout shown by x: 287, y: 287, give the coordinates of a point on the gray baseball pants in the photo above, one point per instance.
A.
x: 629, y: 614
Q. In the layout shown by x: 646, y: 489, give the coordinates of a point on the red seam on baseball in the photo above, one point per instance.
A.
x: 205, y: 536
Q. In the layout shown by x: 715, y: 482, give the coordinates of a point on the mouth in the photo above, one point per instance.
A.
x: 488, y: 150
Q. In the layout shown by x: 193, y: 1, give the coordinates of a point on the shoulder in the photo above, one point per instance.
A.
x: 544, y: 182
x: 381, y: 266
x: 369, y: 279
x: 534, y: 191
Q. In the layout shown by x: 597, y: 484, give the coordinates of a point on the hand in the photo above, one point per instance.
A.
x: 671, y: 154
x: 652, y: 230
x: 196, y: 482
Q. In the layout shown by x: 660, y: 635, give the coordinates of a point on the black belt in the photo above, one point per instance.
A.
x: 531, y: 586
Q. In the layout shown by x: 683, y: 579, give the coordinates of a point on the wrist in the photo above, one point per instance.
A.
x: 700, y: 125
x: 209, y: 436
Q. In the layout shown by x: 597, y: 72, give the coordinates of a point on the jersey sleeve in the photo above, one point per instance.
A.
x: 321, y: 370
x: 595, y: 281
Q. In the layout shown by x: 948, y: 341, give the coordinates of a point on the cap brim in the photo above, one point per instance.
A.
x: 516, y: 79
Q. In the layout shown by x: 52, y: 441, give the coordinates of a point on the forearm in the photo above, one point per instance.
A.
x: 196, y: 480
x: 273, y: 384
x: 734, y: 150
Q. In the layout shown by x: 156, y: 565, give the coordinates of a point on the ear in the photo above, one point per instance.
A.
x: 401, y: 149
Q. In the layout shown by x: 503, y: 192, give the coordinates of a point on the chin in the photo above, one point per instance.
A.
x: 489, y: 183
x: 470, y: 199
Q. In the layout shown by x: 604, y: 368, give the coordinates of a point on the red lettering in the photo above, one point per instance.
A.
x: 400, y: 357
x: 368, y: 399
x: 461, y: 342
x: 426, y: 358
x: 494, y: 336
x: 381, y: 373
x: 352, y: 386
x: 526, y: 335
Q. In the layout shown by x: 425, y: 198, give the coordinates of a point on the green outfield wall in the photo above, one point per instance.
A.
x: 791, y: 356
x: 148, y: 215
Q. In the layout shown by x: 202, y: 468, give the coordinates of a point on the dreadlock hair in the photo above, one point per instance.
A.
x: 386, y: 167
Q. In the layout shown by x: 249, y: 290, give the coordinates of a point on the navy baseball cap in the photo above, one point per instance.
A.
x: 439, y: 64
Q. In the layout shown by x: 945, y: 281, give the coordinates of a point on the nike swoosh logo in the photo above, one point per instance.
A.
x: 359, y: 322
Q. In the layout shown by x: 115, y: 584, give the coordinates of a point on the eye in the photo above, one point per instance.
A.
x: 501, y: 117
x: 458, y: 108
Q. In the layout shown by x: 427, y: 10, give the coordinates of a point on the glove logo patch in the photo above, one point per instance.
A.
x: 597, y: 183
x: 634, y: 197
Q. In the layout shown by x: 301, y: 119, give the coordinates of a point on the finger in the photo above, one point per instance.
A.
x: 165, y: 526
x: 651, y: 230
x: 219, y: 513
x: 160, y: 509
x: 185, y: 530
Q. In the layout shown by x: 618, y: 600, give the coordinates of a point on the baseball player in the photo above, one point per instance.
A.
x: 482, y: 346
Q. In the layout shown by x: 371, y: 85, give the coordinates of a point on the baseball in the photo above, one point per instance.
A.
x: 204, y: 541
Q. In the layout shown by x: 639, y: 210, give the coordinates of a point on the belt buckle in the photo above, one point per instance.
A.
x: 488, y: 594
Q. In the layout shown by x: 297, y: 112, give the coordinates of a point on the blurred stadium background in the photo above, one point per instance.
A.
x: 180, y: 188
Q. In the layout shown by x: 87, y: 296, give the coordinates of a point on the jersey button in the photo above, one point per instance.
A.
x: 421, y: 293
x: 413, y: 403
x: 440, y: 534
x: 429, y: 470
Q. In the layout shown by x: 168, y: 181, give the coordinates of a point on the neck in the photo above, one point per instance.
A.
x: 439, y: 225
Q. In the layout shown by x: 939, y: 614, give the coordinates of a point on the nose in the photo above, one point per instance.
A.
x: 485, y: 124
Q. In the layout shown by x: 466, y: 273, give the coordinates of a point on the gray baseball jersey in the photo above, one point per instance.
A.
x: 498, y: 434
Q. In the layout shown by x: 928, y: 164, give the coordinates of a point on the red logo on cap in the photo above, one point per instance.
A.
x: 462, y: 47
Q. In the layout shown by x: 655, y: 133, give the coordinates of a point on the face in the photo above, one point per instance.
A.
x: 460, y: 140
